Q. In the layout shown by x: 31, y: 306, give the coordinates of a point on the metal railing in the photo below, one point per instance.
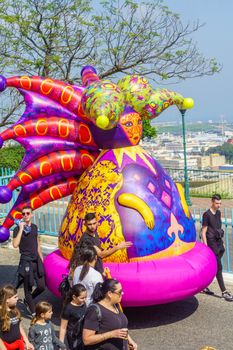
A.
x: 5, y: 176
x: 227, y: 225
x: 49, y: 217
x: 203, y: 183
x: 6, y: 172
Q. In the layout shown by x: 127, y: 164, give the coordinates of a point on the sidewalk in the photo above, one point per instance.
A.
x: 185, y: 325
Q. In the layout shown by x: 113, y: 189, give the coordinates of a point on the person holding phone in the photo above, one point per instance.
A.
x: 30, y: 269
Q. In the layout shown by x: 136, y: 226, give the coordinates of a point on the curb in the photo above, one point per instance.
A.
x: 228, y: 278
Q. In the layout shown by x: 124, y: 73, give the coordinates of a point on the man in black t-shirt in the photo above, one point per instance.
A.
x: 30, y: 270
x: 91, y: 237
x: 212, y: 235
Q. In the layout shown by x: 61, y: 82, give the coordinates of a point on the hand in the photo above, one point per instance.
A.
x: 124, y: 245
x: 120, y: 333
x: 22, y: 224
x: 29, y: 346
x: 132, y: 345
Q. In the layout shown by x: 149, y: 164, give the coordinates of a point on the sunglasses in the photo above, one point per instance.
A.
x: 26, y: 213
x: 119, y: 292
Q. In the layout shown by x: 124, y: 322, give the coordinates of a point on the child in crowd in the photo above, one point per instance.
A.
x: 72, y: 317
x: 12, y: 334
x: 41, y: 331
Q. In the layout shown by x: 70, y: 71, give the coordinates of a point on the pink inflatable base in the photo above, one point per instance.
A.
x: 150, y: 282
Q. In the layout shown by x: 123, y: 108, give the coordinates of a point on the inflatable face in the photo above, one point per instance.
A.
x: 83, y: 141
x: 132, y: 125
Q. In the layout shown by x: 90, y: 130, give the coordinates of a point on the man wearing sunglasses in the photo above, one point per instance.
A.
x: 30, y: 270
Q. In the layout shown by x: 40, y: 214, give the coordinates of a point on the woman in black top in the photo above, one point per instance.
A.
x: 107, y: 329
x: 72, y: 317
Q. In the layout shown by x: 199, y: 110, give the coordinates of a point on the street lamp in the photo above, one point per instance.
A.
x: 188, y: 103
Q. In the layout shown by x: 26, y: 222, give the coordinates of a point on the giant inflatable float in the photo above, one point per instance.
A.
x: 84, y: 141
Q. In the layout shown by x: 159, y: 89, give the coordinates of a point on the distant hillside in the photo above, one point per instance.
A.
x: 177, y: 129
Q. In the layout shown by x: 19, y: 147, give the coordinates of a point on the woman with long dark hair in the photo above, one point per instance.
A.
x: 107, y: 329
x: 86, y: 273
x: 72, y: 317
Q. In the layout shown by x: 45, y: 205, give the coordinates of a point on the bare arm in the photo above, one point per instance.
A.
x: 55, y: 339
x: 203, y: 234
x: 63, y: 327
x: 2, y: 346
x: 17, y: 239
x: 39, y: 250
x: 104, y: 253
x: 132, y: 343
x: 90, y: 337
x: 28, y: 345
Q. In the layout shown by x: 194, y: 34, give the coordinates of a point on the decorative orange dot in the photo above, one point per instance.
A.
x: 166, y: 104
x: 84, y: 134
x: 109, y: 86
x: 20, y: 130
x: 86, y: 160
x: 72, y: 185
x: 41, y: 127
x: 67, y: 94
x: 67, y: 163
x: 25, y: 178
x: 36, y: 202
x: 81, y: 112
x: 63, y: 128
x: 17, y: 215
x: 25, y: 82
x: 55, y: 193
x: 45, y: 168
x: 46, y: 86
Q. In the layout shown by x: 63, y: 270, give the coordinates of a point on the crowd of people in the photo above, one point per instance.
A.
x: 91, y: 317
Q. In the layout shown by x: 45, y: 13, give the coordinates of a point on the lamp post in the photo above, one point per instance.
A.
x: 187, y: 104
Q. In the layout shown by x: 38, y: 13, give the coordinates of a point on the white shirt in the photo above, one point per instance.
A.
x: 90, y: 280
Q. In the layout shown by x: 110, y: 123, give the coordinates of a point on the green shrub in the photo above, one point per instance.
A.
x: 11, y: 157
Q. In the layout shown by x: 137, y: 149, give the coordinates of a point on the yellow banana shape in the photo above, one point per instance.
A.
x: 131, y: 201
x: 182, y: 199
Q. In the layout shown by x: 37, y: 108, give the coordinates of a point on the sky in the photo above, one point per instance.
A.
x: 212, y: 94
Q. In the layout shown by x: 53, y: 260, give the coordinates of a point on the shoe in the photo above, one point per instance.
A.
x: 227, y: 296
x: 27, y: 307
x: 208, y: 291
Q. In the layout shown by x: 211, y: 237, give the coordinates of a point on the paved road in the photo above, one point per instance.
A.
x: 185, y: 325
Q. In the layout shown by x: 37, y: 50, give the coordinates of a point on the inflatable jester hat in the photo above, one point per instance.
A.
x: 83, y: 141
x: 63, y: 128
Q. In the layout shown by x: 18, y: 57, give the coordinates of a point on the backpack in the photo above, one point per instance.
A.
x: 74, y: 335
x: 65, y: 285
x: 97, y: 310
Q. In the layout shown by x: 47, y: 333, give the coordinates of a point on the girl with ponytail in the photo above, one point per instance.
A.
x: 86, y: 273
x: 41, y: 332
x: 72, y: 316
